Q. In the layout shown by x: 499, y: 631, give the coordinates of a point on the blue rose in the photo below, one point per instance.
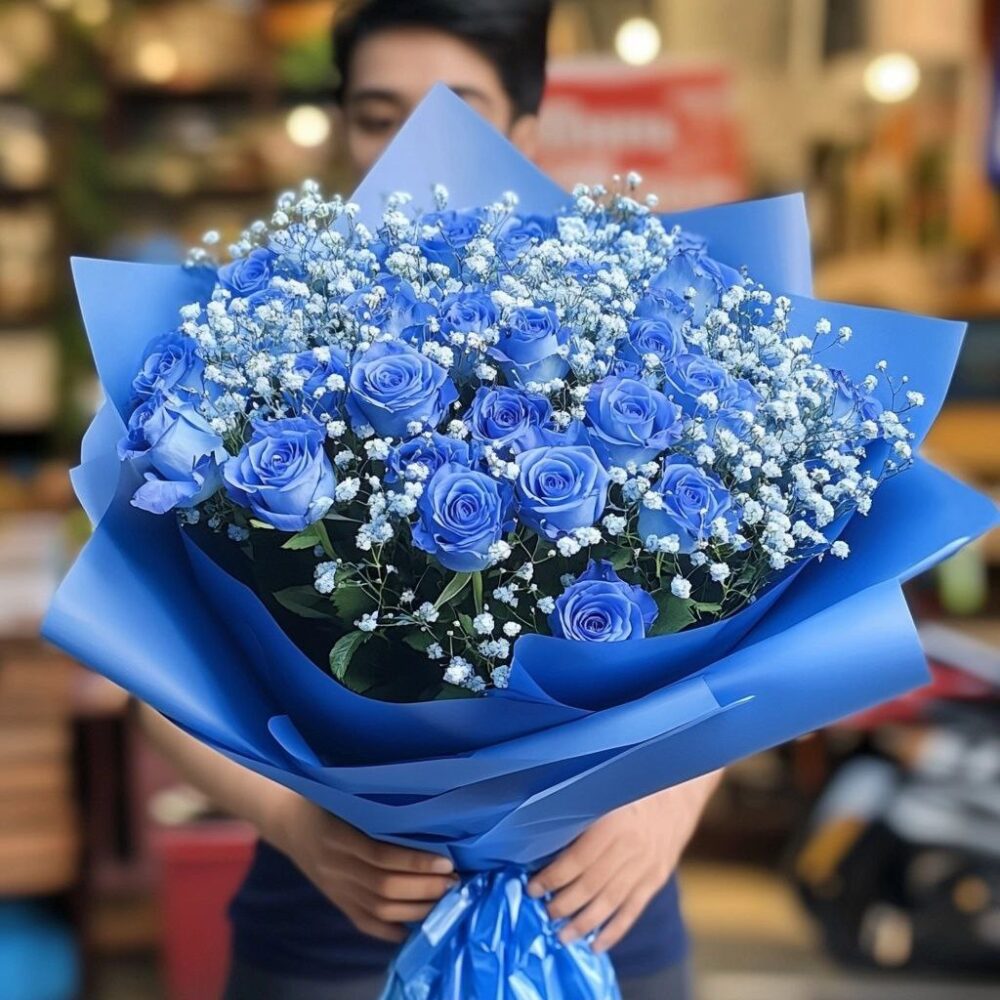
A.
x: 692, y: 269
x: 282, y: 474
x: 691, y: 500
x: 528, y: 348
x: 560, y: 489
x: 171, y: 365
x: 467, y: 312
x: 738, y: 402
x: 687, y: 242
x: 279, y: 299
x: 499, y: 415
x: 250, y: 274
x: 392, y: 385
x: 581, y: 270
x: 630, y: 422
x: 850, y: 404
x: 519, y: 234
x: 316, y: 368
x: 601, y: 607
x: 659, y: 337
x: 430, y: 451
x: 177, y: 451
x: 666, y: 305
x: 453, y: 231
x: 688, y: 376
x: 462, y: 512
x: 574, y: 433
x: 392, y: 306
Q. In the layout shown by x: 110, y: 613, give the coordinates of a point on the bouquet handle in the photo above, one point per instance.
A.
x: 487, y: 938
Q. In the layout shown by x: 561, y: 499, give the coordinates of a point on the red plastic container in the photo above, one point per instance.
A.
x: 201, y: 866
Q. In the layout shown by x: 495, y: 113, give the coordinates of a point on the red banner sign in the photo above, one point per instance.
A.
x: 674, y: 124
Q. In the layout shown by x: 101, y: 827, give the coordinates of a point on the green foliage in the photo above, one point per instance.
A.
x: 675, y: 614
x: 453, y: 588
x: 309, y: 538
x: 418, y: 640
x: 343, y: 652
x: 351, y: 602
x: 305, y: 601
x: 477, y: 592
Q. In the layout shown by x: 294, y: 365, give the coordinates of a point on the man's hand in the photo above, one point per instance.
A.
x: 608, y: 875
x: 379, y: 886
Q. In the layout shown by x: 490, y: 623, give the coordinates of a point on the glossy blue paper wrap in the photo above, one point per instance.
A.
x: 503, y: 782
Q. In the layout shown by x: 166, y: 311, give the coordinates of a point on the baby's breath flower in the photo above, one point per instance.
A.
x: 484, y: 623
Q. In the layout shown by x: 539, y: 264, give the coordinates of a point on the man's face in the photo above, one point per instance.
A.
x: 391, y: 70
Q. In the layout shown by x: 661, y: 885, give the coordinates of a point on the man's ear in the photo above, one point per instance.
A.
x: 525, y: 136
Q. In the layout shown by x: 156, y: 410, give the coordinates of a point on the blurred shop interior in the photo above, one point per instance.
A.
x: 862, y: 860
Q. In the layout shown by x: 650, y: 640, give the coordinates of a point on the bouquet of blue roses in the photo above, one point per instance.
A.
x: 469, y: 425
x: 477, y: 511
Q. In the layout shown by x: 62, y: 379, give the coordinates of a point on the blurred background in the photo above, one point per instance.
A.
x: 860, y: 861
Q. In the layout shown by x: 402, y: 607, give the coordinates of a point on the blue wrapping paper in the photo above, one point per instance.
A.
x: 503, y: 782
x: 488, y: 938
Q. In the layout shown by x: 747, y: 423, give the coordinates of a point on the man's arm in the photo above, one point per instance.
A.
x: 609, y: 874
x: 379, y: 886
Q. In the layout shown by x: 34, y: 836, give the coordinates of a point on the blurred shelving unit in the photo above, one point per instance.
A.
x: 127, y: 129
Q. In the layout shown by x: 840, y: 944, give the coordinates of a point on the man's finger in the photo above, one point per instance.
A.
x: 599, y: 910
x: 592, y: 883
x: 391, y: 858
x: 580, y: 855
x: 621, y: 923
x: 369, y: 925
x: 390, y: 912
x: 401, y: 887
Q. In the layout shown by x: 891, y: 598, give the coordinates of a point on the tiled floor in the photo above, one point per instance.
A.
x: 752, y: 942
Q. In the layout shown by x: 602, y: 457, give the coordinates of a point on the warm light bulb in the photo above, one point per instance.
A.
x: 637, y: 41
x: 157, y: 61
x: 307, y: 125
x: 892, y: 77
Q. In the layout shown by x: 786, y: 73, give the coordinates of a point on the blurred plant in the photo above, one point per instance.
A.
x: 306, y: 64
x: 73, y: 97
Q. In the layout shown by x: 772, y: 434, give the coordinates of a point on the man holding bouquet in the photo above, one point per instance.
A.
x: 324, y: 907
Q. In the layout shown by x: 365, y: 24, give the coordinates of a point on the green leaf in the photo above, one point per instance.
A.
x: 418, y: 640
x: 477, y: 591
x: 305, y: 539
x: 674, y: 614
x: 707, y: 607
x: 315, y: 534
x: 324, y: 539
x: 345, y: 648
x: 261, y: 524
x: 622, y: 558
x: 453, y: 588
x: 351, y: 602
x: 466, y: 622
x: 305, y: 601
x: 452, y: 692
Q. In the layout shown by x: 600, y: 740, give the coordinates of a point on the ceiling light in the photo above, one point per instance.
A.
x: 892, y: 77
x: 637, y: 41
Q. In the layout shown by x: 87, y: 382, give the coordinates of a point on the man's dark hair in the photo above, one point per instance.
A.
x: 511, y: 34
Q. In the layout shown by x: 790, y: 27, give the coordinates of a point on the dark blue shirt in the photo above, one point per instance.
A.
x: 283, y: 924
